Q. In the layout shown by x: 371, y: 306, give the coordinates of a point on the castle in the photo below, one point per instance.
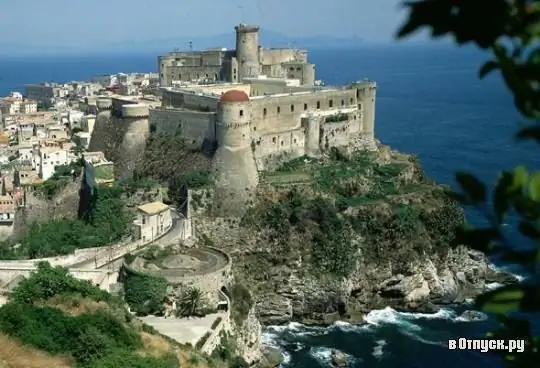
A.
x: 255, y: 119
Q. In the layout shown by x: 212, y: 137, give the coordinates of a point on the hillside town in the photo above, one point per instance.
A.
x: 44, y: 132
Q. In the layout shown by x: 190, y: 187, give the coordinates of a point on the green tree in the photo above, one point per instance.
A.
x: 510, y: 31
x: 191, y: 302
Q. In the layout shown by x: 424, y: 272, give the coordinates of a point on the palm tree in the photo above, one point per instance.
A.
x: 191, y: 302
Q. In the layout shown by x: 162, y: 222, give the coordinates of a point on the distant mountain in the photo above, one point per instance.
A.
x: 227, y: 40
x: 163, y: 45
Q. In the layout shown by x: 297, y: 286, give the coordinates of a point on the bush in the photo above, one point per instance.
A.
x: 85, y: 337
x: 202, y: 340
x: 241, y: 303
x: 216, y: 323
x: 145, y: 294
x: 48, y: 281
x: 106, y: 221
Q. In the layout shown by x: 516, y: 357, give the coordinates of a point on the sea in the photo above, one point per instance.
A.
x: 431, y: 103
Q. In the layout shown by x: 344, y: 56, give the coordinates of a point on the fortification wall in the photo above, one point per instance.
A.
x: 100, y: 278
x: 335, y: 134
x: 103, y: 136
x: 39, y: 208
x: 132, y: 134
x: 271, y: 113
x: 135, y: 111
x: 194, y: 126
x: 272, y: 148
x: 214, y: 339
x: 209, y: 279
x: 281, y: 55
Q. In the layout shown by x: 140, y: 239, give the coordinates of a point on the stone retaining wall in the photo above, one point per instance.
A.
x: 224, y: 325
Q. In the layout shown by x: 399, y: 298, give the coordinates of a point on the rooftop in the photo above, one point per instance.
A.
x: 153, y: 208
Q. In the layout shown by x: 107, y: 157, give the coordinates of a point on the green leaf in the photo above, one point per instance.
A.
x: 534, y: 187
x: 503, y: 300
x: 487, y: 68
x: 473, y: 188
x: 501, y: 196
x: 476, y: 238
x: 520, y: 178
x: 510, y: 298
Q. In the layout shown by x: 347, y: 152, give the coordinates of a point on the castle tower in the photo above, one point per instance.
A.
x: 368, y: 101
x: 312, y: 126
x: 247, y: 51
x: 235, y: 170
x: 366, y: 97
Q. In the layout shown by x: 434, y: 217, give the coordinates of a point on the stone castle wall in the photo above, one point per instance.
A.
x: 39, y: 208
x: 194, y: 126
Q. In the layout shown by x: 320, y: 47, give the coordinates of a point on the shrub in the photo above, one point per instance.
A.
x: 48, y: 281
x: 202, y: 340
x: 145, y: 294
x: 216, y: 323
x: 241, y: 303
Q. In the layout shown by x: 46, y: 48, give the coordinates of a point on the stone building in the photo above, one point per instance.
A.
x: 153, y: 220
x: 249, y: 59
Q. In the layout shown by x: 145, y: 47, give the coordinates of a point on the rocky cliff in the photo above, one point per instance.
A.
x: 336, y: 237
x: 40, y: 207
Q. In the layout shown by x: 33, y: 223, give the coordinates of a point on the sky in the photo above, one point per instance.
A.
x: 72, y: 22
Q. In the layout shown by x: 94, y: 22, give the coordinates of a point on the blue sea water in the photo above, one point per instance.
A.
x: 429, y: 102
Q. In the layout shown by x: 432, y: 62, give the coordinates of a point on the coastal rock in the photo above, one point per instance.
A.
x: 339, y: 359
x: 471, y: 315
x: 248, y: 338
x: 275, y: 309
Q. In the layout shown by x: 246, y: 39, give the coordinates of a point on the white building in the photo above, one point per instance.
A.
x: 153, y: 220
x: 50, y: 157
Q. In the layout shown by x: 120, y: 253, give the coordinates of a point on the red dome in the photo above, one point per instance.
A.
x: 234, y: 95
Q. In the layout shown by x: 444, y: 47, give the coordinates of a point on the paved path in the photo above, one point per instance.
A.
x: 184, y: 330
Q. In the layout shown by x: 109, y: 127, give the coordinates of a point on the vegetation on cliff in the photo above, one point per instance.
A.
x: 167, y: 156
x: 363, y: 206
x: 510, y: 32
x: 107, y: 220
x: 55, y: 320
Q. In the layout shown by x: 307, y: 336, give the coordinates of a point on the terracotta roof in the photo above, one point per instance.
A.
x: 153, y: 207
x: 234, y: 95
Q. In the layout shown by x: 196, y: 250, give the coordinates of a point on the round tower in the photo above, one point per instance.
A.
x: 308, y: 74
x: 234, y: 163
x: 247, y: 51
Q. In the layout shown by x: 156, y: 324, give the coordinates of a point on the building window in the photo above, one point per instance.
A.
x: 298, y: 69
x: 354, y: 117
x: 234, y: 70
x: 241, y: 112
x: 331, y: 103
x: 274, y: 140
x: 179, y: 76
x: 291, y: 69
x: 282, y: 143
x: 294, y: 140
x: 144, y: 220
x: 265, y: 111
x: 342, y: 102
x: 206, y: 76
x: 292, y: 108
x: 278, y: 109
x: 352, y: 101
x: 359, y: 106
x: 357, y: 93
x: 318, y: 105
x: 305, y: 107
